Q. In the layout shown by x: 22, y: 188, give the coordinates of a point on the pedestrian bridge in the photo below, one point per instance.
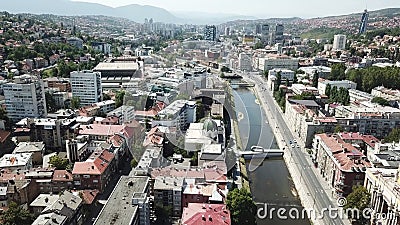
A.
x: 266, y: 153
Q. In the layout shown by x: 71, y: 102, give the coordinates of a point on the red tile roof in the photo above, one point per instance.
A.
x: 203, y: 214
x: 95, y: 165
x: 100, y: 129
x: 345, y: 153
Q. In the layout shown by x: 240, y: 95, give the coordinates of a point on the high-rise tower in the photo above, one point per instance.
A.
x: 364, y: 22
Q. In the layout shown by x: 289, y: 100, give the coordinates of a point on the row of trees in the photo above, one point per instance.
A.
x: 340, y: 95
x: 371, y: 77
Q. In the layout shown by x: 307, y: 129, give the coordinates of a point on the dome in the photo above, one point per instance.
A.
x: 210, y: 125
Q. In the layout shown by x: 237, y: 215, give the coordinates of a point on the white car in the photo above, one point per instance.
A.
x: 292, y: 145
x: 294, y: 140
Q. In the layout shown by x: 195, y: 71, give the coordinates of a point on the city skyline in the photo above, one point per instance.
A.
x: 252, y: 8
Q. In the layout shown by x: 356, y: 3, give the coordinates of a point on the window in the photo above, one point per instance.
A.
x: 95, y: 181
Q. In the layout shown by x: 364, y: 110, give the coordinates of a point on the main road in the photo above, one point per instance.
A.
x: 316, y: 192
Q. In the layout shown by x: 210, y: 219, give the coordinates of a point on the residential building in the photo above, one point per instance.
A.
x: 86, y: 85
x: 50, y: 218
x: 200, y: 192
x: 6, y: 144
x: 14, y: 162
x: 168, y: 192
x: 341, y: 164
x: 95, y: 172
x: 210, y: 33
x: 178, y: 114
x: 299, y: 89
x: 385, y: 155
x: 151, y: 158
x: 197, y: 213
x: 339, y: 42
x: 211, y: 153
x: 245, y: 62
x: 336, y: 83
x: 25, y: 98
x: 384, y: 187
x: 68, y: 205
x: 128, y: 203
x: 359, y: 96
x: 386, y: 93
x: 41, y: 202
x: 102, y: 47
x: 322, y: 71
x: 277, y: 62
x: 36, y: 148
x: 120, y: 71
x: 52, y: 132
x: 124, y: 113
x: 50, y: 180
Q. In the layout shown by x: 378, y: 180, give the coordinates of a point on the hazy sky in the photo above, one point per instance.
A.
x: 262, y: 8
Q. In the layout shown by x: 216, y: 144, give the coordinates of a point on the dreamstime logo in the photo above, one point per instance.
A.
x: 341, y: 201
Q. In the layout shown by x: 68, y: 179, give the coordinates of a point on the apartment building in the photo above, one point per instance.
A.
x: 86, y: 85
x: 168, y: 192
x: 25, y: 98
x: 341, y: 164
x: 178, y: 114
x: 279, y: 62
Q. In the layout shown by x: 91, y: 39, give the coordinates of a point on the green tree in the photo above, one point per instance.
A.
x: 134, y: 163
x: 394, y: 136
x: 328, y: 90
x: 295, y: 78
x: 163, y: 213
x: 278, y: 80
x: 258, y: 45
x: 119, y: 98
x: 338, y: 129
x: 380, y: 101
x: 106, y: 97
x: 315, y: 79
x: 200, y: 111
x: 16, y: 215
x: 287, y: 82
x: 242, y: 207
x: 75, y: 102
x: 359, y: 199
x: 338, y: 72
x: 194, y: 159
x: 59, y: 163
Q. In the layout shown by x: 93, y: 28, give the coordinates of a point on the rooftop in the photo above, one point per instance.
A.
x: 119, y: 208
x: 15, y: 160
x: 50, y: 219
x: 116, y: 66
x: 29, y: 147
x: 202, y: 214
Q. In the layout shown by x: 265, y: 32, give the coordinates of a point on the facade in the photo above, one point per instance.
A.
x: 245, y: 62
x: 359, y: 96
x: 68, y: 205
x: 278, y: 62
x: 124, y: 113
x: 341, y: 164
x: 95, y: 172
x: 50, y: 180
x: 25, y: 98
x: 337, y: 83
x: 178, y: 114
x: 364, y: 22
x: 339, y: 42
x: 386, y: 93
x: 384, y: 187
x: 210, y: 33
x: 285, y: 74
x: 86, y: 85
x: 128, y: 203
x: 168, y: 192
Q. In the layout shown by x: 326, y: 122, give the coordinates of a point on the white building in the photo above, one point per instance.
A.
x: 384, y: 187
x: 386, y: 93
x: 245, y: 62
x: 339, y: 42
x: 25, y: 98
x: 279, y: 62
x: 336, y: 83
x: 86, y: 85
x: 178, y: 114
x: 285, y: 74
x: 20, y: 161
x: 359, y: 96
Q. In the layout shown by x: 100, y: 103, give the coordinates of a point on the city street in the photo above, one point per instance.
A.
x: 317, y: 192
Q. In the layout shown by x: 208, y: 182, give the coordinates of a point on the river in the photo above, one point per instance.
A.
x: 270, y: 181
